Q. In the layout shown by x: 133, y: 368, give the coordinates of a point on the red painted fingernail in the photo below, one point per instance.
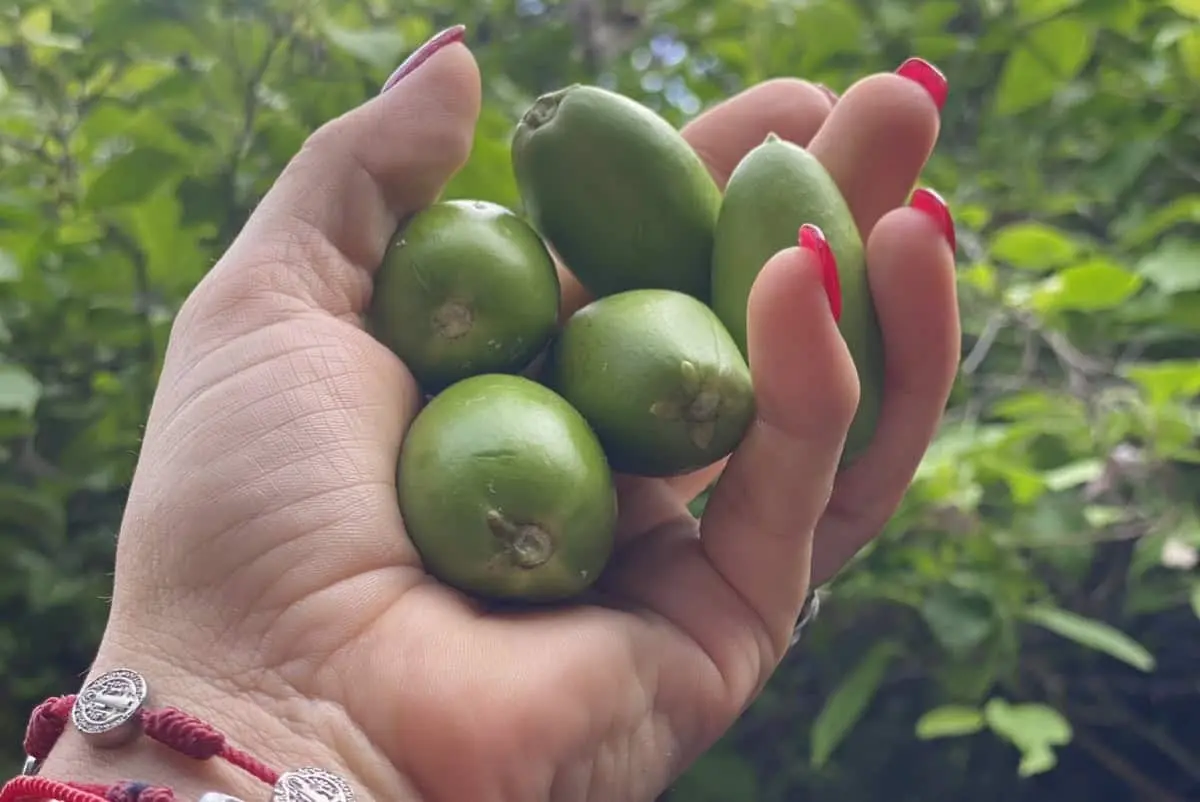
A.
x: 928, y: 76
x: 814, y: 240
x: 829, y: 93
x: 422, y: 54
x: 933, y: 205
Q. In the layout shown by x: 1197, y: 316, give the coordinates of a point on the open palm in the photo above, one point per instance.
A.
x: 264, y: 545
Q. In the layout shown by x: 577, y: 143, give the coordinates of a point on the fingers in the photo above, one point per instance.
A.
x: 911, y: 268
x: 878, y: 138
x: 788, y: 107
x: 757, y: 528
x: 791, y: 108
x: 322, y: 229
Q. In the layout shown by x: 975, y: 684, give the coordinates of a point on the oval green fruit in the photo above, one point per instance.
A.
x: 467, y: 287
x: 505, y: 491
x: 617, y: 191
x: 659, y: 379
x: 774, y: 189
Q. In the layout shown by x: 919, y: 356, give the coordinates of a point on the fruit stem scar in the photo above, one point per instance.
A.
x: 528, y: 545
x: 452, y: 320
x: 544, y: 108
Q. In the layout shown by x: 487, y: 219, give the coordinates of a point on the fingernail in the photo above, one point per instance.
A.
x: 933, y: 205
x: 829, y: 93
x: 422, y: 54
x: 928, y: 76
x: 814, y: 240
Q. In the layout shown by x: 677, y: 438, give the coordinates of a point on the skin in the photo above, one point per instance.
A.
x: 263, y: 577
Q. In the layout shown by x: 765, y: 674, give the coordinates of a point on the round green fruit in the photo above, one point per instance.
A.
x: 505, y: 491
x: 659, y: 379
x: 467, y: 287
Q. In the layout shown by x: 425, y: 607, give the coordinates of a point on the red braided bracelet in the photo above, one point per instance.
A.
x: 30, y: 787
x: 110, y: 711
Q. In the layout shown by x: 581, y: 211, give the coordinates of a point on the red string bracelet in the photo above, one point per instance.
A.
x: 31, y: 787
x: 110, y: 711
x: 173, y: 728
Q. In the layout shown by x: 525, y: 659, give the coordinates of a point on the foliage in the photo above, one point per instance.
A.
x: 1025, y: 626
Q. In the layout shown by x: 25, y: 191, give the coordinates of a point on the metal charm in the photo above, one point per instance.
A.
x: 812, y: 605
x: 31, y: 767
x: 311, y: 785
x: 106, y: 710
x: 217, y: 796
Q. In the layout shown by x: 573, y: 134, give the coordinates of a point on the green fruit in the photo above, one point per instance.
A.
x: 467, y: 287
x: 659, y: 379
x: 505, y: 491
x: 774, y: 189
x: 618, y: 193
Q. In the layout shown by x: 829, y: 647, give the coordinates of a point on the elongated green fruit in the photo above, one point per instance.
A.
x: 777, y: 187
x: 617, y: 192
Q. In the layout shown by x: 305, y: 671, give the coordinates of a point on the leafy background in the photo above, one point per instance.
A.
x: 1027, y: 627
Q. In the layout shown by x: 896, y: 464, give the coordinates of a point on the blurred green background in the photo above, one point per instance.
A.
x: 1026, y: 629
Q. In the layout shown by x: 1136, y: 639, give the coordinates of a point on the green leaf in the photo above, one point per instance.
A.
x: 1093, y: 286
x: 1034, y: 246
x: 1092, y: 634
x: 1033, y: 729
x: 847, y: 704
x: 9, y: 269
x: 32, y: 511
x: 37, y: 28
x: 1166, y: 380
x: 132, y: 177
x: 1073, y: 474
x: 1182, y: 210
x: 949, y: 721
x: 1052, y: 55
x: 1189, y: 53
x: 1174, y: 267
x: 381, y: 48
x: 959, y: 619
x: 1188, y: 8
x: 1034, y: 10
x: 19, y: 390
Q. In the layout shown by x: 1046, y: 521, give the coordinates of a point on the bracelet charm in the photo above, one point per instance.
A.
x: 106, y: 709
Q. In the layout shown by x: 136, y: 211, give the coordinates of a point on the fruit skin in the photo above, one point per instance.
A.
x: 776, y: 188
x: 466, y: 288
x: 635, y: 362
x: 489, y: 454
x: 617, y: 191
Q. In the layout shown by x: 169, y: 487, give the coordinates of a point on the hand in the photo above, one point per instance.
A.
x: 264, y: 580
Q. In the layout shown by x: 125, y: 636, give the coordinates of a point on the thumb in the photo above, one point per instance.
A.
x: 321, y: 231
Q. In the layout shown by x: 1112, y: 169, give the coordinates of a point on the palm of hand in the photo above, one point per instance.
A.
x: 282, y: 418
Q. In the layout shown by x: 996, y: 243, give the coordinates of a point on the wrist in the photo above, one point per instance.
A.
x: 284, y: 731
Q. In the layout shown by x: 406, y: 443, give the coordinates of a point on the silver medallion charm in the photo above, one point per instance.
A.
x: 311, y: 785
x: 106, y: 710
x: 217, y: 796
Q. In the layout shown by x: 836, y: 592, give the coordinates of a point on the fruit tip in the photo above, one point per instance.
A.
x: 543, y: 109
